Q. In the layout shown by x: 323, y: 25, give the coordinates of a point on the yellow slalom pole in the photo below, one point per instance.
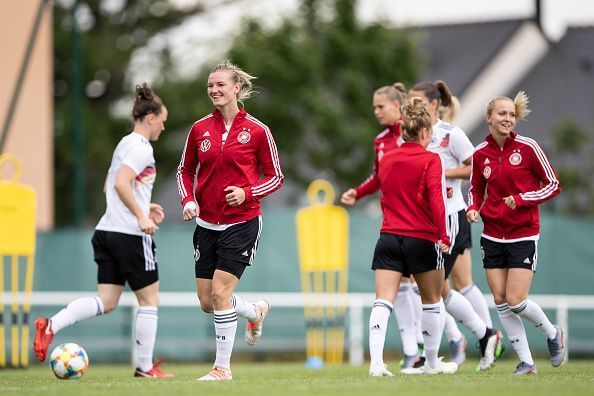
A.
x: 14, y: 275
x: 26, y: 309
x: 2, y: 333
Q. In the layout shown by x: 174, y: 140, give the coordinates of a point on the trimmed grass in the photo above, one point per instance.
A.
x: 269, y: 379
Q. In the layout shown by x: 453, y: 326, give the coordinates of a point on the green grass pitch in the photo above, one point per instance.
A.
x: 285, y: 379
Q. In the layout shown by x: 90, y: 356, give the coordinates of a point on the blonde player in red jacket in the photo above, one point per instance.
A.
x: 231, y: 150
x: 413, y: 238
x: 511, y: 176
x: 387, y: 101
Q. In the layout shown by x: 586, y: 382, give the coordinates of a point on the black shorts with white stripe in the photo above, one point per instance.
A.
x: 406, y: 255
x: 520, y: 254
x: 125, y: 258
x: 230, y: 250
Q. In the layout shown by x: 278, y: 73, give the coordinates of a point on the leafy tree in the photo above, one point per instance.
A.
x: 574, y: 165
x: 316, y: 75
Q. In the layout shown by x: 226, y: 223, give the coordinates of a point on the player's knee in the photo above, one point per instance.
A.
x: 109, y: 306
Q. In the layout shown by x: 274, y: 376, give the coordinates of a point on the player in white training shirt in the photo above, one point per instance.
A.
x: 122, y: 244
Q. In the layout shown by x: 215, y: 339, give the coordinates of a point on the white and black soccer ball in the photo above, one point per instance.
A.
x: 69, y: 361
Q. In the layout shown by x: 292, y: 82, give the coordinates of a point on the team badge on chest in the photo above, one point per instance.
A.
x: 487, y: 172
x: 244, y: 136
x: 515, y: 158
x: 205, y: 145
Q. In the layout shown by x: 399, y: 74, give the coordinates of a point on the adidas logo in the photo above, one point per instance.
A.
x: 376, y: 327
x: 206, y: 134
x: 527, y: 261
x: 487, y: 161
x: 245, y: 253
x: 426, y: 333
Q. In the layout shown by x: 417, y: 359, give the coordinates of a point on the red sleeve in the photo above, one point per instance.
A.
x: 545, y: 172
x: 270, y: 167
x: 186, y: 170
x: 436, y: 188
x: 371, y: 184
x: 476, y: 193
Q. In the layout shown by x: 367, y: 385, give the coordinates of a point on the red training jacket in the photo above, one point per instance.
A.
x: 386, y: 141
x: 248, y: 151
x: 412, y: 181
x: 520, y: 169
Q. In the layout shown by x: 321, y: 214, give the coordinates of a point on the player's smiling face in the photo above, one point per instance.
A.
x: 385, y: 110
x: 221, y: 88
x: 502, y: 119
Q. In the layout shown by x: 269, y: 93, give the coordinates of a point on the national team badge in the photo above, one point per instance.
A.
x: 515, y: 158
x: 244, y: 137
x: 445, y: 142
x: 205, y: 145
x: 487, y: 172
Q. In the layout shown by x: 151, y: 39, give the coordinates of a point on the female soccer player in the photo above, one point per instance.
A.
x: 413, y: 238
x: 122, y: 243
x: 387, y: 101
x: 456, y: 150
x: 232, y: 149
x: 511, y: 176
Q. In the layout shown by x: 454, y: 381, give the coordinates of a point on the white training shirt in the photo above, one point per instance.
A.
x: 135, y: 151
x: 454, y: 147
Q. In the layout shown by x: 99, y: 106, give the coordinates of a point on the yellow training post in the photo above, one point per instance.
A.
x: 322, y: 234
x: 17, y: 238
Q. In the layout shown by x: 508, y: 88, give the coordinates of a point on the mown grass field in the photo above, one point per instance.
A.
x: 269, y: 379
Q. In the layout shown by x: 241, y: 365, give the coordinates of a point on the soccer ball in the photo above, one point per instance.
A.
x: 69, y: 361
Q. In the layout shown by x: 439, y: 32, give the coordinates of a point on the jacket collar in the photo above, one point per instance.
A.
x: 240, y: 116
x: 508, y: 140
x: 395, y: 129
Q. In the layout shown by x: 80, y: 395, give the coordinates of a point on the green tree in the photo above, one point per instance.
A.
x: 574, y: 164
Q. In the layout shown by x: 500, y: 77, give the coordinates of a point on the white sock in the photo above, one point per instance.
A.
x: 473, y: 294
x: 243, y: 308
x: 461, y: 310
x: 418, y: 306
x: 451, y: 329
x: 514, y: 328
x: 404, y: 312
x: 432, y: 325
x: 145, y: 334
x: 77, y: 311
x: 225, y: 323
x: 378, y: 323
x: 533, y: 312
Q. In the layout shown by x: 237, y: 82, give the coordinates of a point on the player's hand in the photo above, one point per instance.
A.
x: 147, y: 225
x: 156, y: 213
x: 444, y: 248
x: 472, y: 216
x: 191, y: 210
x: 349, y: 197
x: 236, y: 195
x: 510, y: 201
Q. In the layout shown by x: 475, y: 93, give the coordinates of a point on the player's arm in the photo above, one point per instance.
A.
x: 476, y: 193
x: 550, y: 186
x: 437, y: 192
x: 461, y: 172
x: 123, y: 186
x: 186, y: 172
x: 462, y: 149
